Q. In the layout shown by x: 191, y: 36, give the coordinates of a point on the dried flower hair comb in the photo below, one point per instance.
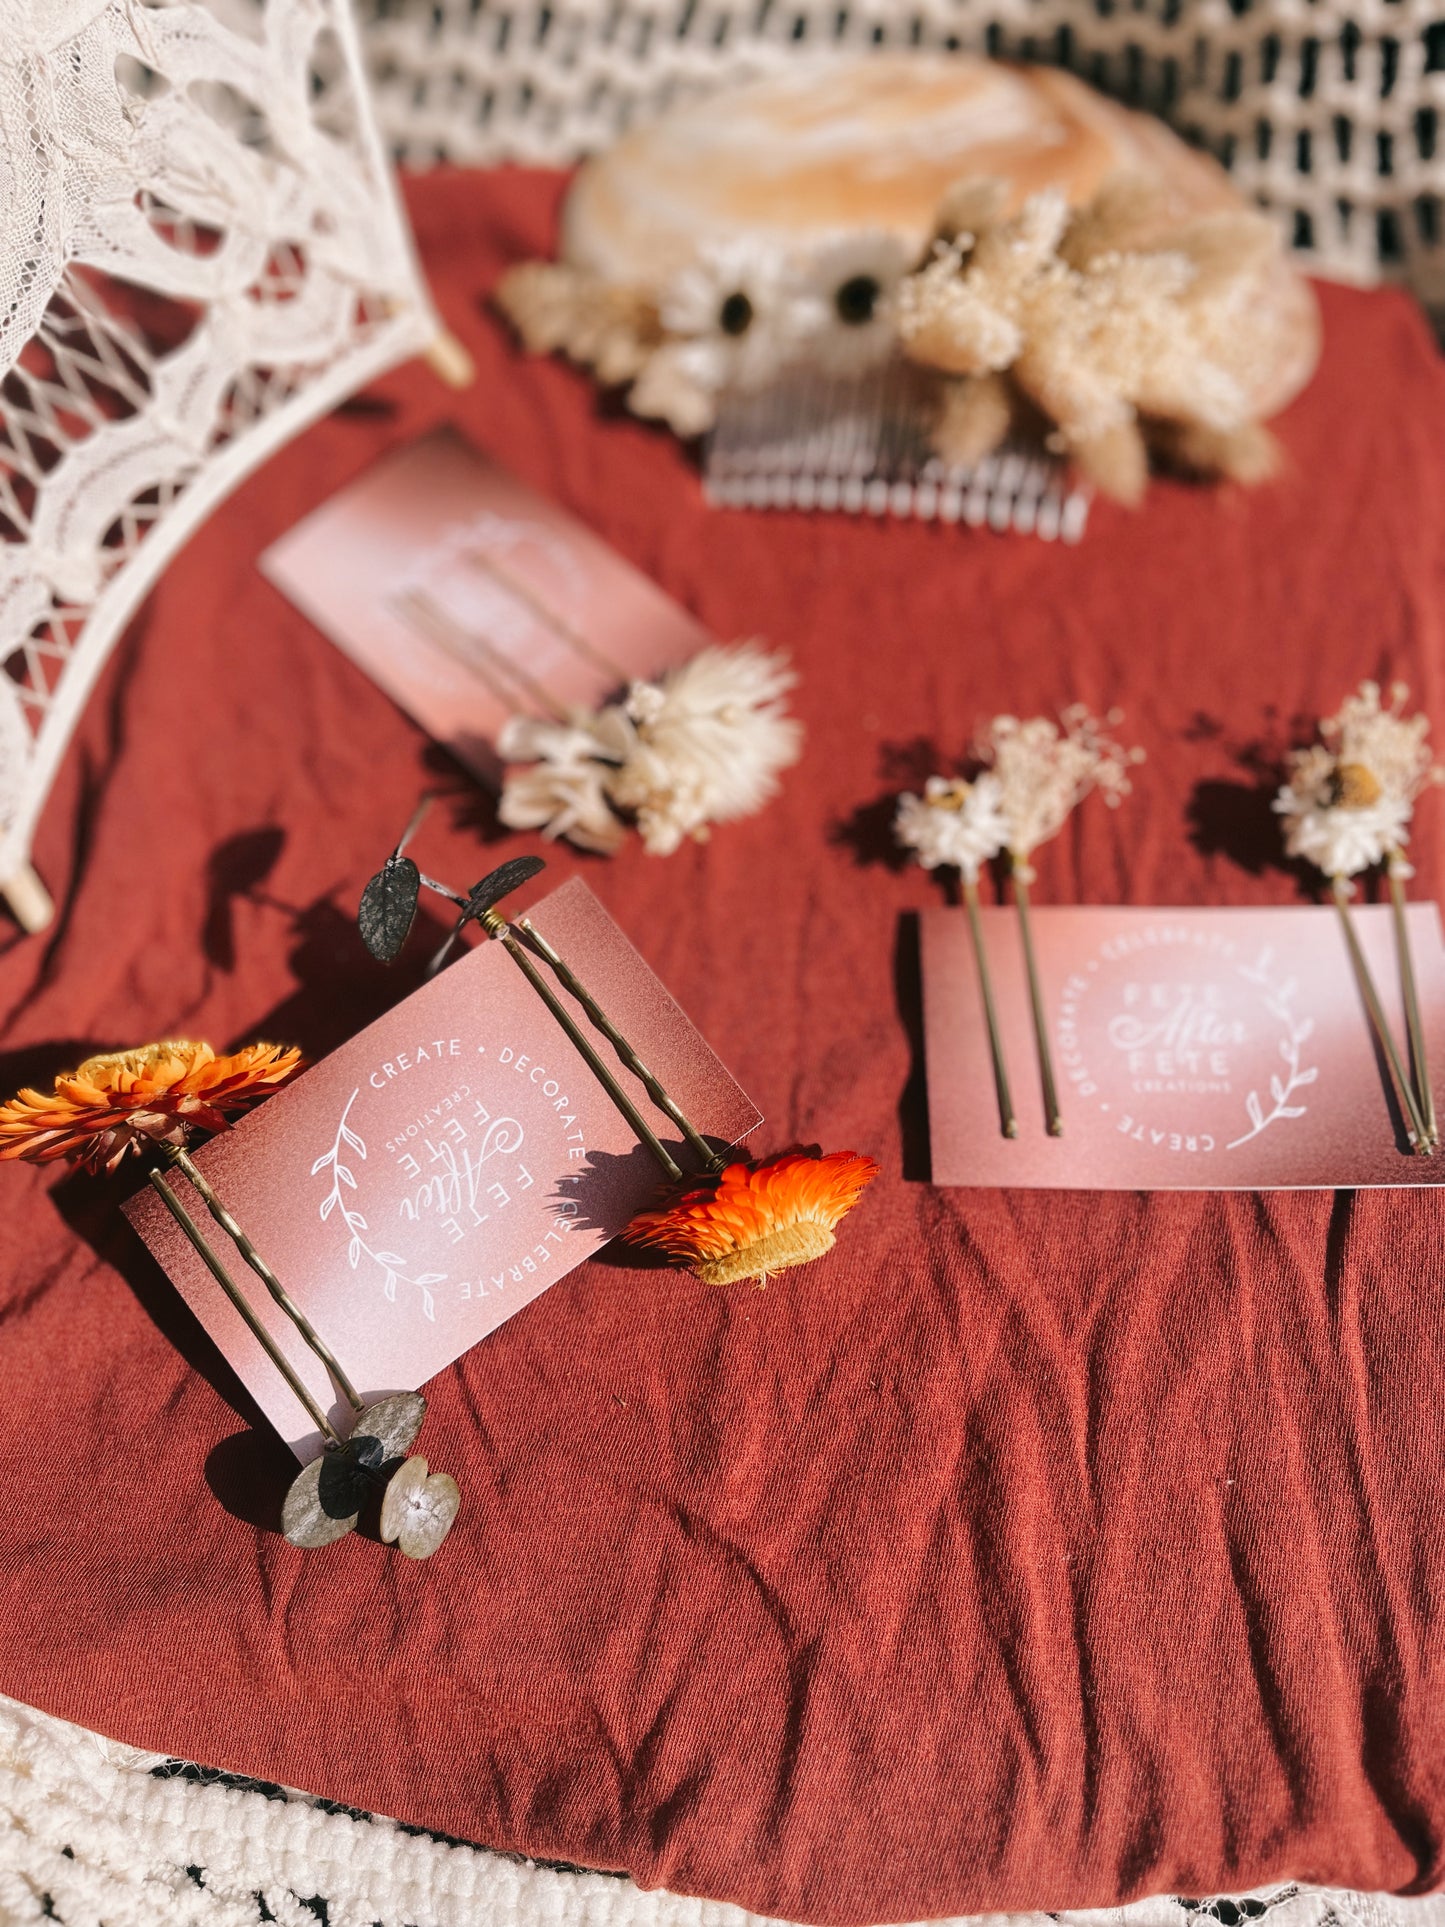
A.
x: 1033, y: 775
x: 888, y: 332
x: 733, y: 1218
x: 1346, y: 808
x: 153, y: 1102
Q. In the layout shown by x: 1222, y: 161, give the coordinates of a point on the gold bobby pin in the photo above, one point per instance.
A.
x: 1022, y: 874
x: 522, y: 592
x: 1008, y: 1123
x: 1414, y: 1023
x: 420, y: 611
x: 958, y: 825
x: 1044, y: 770
x: 1419, y: 1134
x: 388, y: 907
x: 325, y: 1500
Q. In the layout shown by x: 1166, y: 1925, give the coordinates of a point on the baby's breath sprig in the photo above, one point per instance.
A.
x: 1044, y: 770
x: 1034, y: 774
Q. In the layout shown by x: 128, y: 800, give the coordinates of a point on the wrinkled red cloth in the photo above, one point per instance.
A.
x: 1032, y: 1550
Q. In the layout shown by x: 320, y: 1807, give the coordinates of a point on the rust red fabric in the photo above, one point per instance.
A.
x: 1033, y: 1550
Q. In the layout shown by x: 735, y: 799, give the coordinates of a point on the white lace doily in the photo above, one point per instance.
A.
x: 201, y: 250
x: 1324, y: 109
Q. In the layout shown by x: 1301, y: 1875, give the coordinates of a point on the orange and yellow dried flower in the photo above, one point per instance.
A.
x: 756, y: 1216
x: 121, y: 1100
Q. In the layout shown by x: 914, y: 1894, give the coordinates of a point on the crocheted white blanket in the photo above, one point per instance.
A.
x: 93, y: 1832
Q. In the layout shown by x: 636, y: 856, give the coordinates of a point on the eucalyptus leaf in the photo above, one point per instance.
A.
x: 388, y: 905
x: 502, y: 882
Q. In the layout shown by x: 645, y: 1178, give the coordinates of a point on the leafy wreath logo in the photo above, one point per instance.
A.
x: 392, y: 1266
x: 1297, y: 1031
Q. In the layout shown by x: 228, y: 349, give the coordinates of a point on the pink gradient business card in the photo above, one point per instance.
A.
x: 1210, y: 1049
x: 469, y: 598
x: 442, y: 1169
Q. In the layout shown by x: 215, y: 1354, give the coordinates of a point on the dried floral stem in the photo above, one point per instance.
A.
x: 1036, y: 1002
x: 181, y: 1159
x: 1008, y: 1123
x: 474, y: 652
x: 497, y: 926
x: 258, y: 1331
x: 1419, y: 1066
x: 712, y: 1160
x: 1420, y: 1138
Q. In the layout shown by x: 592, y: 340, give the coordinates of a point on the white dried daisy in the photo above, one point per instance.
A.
x: 732, y: 315
x: 1349, y: 798
x: 1337, y: 816
x: 704, y: 744
x: 1384, y: 740
x: 846, y: 298
x: 557, y: 783
x: 953, y: 825
x: 1045, y: 769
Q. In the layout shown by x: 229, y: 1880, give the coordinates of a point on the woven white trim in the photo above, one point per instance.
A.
x: 1327, y: 110
x: 93, y: 1831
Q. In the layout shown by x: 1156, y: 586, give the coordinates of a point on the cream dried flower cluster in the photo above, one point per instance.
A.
x: 704, y: 744
x: 1035, y: 773
x: 1055, y: 311
x: 1349, y: 798
x: 728, y: 321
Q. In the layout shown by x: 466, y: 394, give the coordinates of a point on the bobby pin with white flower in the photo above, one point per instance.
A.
x: 1044, y: 770
x: 1346, y: 807
x: 703, y: 744
x: 961, y: 826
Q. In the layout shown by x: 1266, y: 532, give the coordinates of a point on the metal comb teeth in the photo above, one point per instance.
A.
x: 858, y: 444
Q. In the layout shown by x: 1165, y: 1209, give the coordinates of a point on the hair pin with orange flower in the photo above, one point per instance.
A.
x: 737, y: 1218
x: 152, y: 1101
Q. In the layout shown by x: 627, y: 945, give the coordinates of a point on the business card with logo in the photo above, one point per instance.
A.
x: 442, y: 1169
x: 469, y: 598
x: 1210, y: 1049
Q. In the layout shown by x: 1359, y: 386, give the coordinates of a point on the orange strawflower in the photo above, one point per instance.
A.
x: 123, y: 1099
x: 757, y: 1216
